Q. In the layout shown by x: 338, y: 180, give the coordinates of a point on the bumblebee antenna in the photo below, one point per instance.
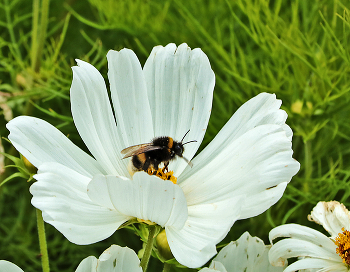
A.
x: 185, y: 135
x: 190, y: 142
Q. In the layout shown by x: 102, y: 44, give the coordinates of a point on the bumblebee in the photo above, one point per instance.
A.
x: 159, y: 150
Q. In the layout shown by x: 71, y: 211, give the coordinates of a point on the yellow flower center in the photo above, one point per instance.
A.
x: 163, y: 174
x: 343, y: 243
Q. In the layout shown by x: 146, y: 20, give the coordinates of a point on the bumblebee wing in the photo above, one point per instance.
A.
x: 138, y: 149
x: 133, y: 150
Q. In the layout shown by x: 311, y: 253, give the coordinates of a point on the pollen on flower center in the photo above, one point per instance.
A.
x: 163, y: 174
x: 343, y: 243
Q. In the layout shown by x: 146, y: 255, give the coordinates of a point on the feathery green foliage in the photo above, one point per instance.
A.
x: 296, y: 49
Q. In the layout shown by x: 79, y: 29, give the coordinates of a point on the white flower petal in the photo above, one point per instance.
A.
x: 145, y: 197
x: 290, y: 248
x: 180, y: 85
x: 93, y: 117
x: 206, y: 269
x: 188, y: 247
x: 316, y: 265
x: 304, y: 242
x: 130, y: 100
x: 41, y: 142
x: 261, y: 201
x: 98, y: 191
x: 263, y: 264
x: 303, y: 233
x: 214, y: 266
x: 316, y: 252
x: 88, y: 264
x: 332, y: 215
x: 217, y: 266
x: 207, y: 224
x: 6, y: 266
x: 61, y: 194
x: 259, y: 164
x: 125, y: 259
x: 262, y: 109
x: 248, y: 254
x: 113, y: 259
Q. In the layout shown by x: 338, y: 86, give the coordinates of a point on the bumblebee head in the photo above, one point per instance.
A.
x: 178, y: 149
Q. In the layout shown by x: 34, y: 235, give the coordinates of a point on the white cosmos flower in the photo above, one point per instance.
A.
x: 6, y: 266
x: 316, y: 251
x: 113, y: 259
x: 247, y: 254
x: 240, y: 174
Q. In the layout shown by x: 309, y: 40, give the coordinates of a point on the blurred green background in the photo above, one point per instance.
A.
x: 296, y: 49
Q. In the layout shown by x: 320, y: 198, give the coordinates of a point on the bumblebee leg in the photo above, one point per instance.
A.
x: 146, y: 165
x: 156, y: 164
x: 166, y: 166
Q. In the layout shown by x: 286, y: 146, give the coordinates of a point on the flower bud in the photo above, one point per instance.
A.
x: 163, y: 246
x: 31, y: 168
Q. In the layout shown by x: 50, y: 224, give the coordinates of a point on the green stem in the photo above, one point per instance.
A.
x: 308, y: 165
x: 148, y: 249
x: 10, y: 26
x: 166, y: 267
x: 44, y: 19
x: 42, y: 242
x: 35, y: 27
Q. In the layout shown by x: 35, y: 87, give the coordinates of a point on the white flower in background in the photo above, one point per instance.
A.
x: 113, y: 259
x: 247, y: 254
x: 316, y: 251
x: 240, y: 174
x: 6, y: 266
